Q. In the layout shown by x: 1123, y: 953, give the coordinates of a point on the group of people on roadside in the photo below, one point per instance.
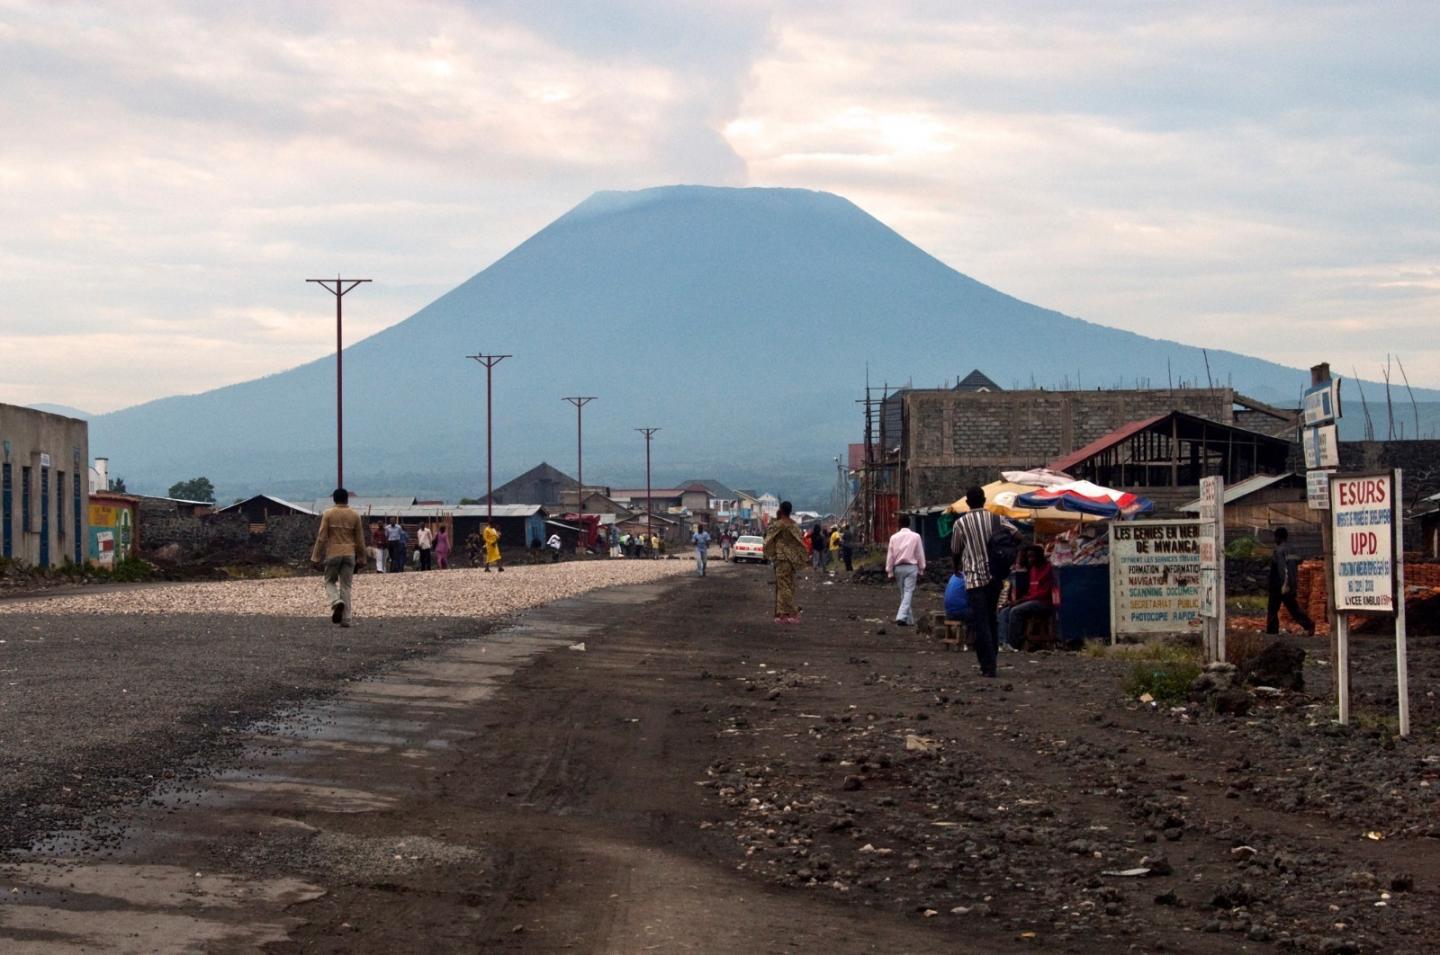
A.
x: 828, y: 547
x: 390, y: 547
x: 641, y: 545
x: 985, y: 551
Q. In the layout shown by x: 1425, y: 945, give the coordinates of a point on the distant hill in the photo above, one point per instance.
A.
x: 739, y: 321
x: 65, y: 410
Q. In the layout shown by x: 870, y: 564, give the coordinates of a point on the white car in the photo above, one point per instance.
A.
x: 748, y: 548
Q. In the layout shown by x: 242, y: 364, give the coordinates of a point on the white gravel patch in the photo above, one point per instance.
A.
x: 439, y: 593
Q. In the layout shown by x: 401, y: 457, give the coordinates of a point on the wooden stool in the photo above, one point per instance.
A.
x: 1040, y: 632
x: 930, y: 623
x: 957, y: 635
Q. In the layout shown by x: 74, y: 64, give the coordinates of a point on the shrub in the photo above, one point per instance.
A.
x: 1242, y: 548
x: 1166, y: 682
x: 131, y: 570
x: 1164, y: 669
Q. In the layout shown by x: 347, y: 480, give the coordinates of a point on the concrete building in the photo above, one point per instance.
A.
x: 947, y: 439
x: 44, y: 486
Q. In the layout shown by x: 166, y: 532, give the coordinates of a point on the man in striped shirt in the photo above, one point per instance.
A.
x: 970, y: 547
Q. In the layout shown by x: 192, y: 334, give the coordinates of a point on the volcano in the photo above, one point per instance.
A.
x: 738, y: 321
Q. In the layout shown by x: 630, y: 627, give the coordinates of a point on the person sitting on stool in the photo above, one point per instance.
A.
x: 1038, y: 600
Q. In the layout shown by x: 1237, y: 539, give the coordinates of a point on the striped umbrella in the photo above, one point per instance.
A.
x: 1087, y: 498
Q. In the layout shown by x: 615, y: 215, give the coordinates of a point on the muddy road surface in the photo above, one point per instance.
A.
x: 658, y: 767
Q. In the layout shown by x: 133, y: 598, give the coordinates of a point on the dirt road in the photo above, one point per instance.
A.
x: 696, y: 779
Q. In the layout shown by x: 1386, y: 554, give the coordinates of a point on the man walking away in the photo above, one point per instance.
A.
x: 847, y: 547
x: 425, y: 541
x: 1282, y: 587
x: 554, y: 545
x: 971, y: 540
x: 785, y: 549
x: 339, y: 546
x: 701, y: 540
x: 904, y: 563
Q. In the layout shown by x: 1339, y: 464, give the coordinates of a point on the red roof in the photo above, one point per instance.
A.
x: 1103, y: 442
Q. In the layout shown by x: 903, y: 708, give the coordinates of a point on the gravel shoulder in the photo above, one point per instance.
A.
x: 104, y: 693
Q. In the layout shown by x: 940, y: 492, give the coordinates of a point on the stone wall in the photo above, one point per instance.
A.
x: 173, y: 538
x: 956, y: 438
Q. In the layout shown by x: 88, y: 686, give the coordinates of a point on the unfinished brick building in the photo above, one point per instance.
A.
x: 952, y: 438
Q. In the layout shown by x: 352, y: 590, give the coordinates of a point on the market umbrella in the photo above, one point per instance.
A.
x: 1086, y: 498
x: 1037, y: 477
x: 1001, y: 497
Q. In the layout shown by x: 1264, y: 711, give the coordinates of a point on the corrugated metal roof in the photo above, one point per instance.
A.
x: 1104, y: 441
x: 302, y: 508
x: 460, y: 510
x: 1243, y: 489
x: 374, y: 504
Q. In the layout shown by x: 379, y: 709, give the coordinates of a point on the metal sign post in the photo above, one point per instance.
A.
x: 1322, y: 405
x: 1402, y: 666
x: 1366, y: 525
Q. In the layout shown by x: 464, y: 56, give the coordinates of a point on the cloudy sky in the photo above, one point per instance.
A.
x: 1261, y: 176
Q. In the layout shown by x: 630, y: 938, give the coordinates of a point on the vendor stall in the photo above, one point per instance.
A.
x: 1071, y: 519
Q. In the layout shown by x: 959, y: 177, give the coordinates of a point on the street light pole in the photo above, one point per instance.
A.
x: 649, y: 434
x: 579, y: 401
x: 338, y: 287
x: 489, y: 361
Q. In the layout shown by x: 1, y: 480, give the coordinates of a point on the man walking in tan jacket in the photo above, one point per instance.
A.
x: 340, y: 547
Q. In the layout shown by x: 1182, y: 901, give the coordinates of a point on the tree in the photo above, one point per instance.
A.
x: 195, y: 489
x: 118, y: 485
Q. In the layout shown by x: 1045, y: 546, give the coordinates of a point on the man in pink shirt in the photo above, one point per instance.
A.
x: 904, y: 563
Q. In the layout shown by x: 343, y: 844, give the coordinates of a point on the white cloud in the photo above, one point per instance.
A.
x: 1258, y: 175
x: 1138, y: 166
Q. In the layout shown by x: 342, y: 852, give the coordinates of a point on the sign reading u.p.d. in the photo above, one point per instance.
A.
x: 1362, y: 518
x: 1321, y: 446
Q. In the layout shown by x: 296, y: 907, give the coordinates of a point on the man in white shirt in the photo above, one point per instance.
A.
x: 904, y: 563
x: 425, y: 540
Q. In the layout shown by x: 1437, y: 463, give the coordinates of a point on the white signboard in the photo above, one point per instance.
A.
x: 1317, y: 489
x: 1322, y: 402
x: 1154, y: 576
x: 1362, y: 519
x: 1322, y: 448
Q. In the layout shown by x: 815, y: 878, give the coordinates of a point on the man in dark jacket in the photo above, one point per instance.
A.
x: 1282, y: 587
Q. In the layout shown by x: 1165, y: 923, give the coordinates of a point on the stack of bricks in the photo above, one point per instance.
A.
x: 1311, y: 590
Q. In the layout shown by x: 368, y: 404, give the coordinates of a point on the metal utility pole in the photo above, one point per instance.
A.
x: 489, y: 361
x: 338, y: 287
x: 649, y: 434
x: 579, y: 401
